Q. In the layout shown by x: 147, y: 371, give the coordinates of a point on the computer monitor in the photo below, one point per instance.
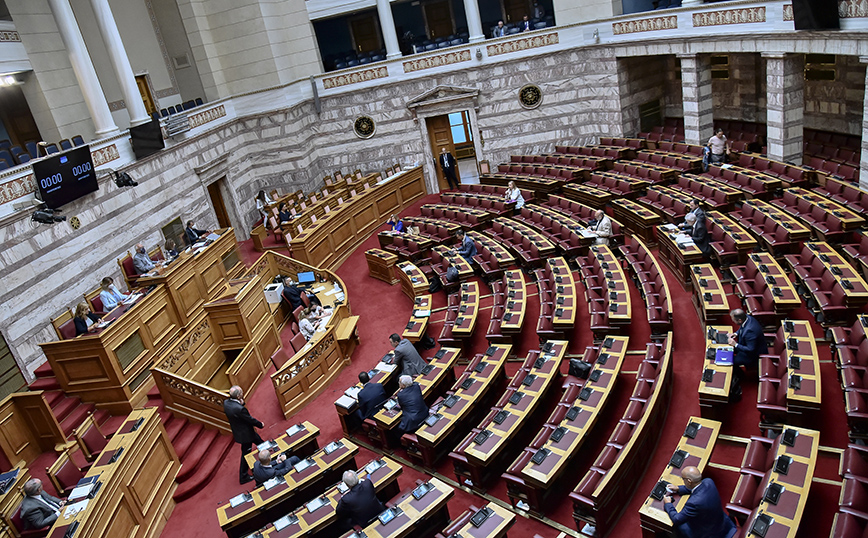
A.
x: 306, y: 278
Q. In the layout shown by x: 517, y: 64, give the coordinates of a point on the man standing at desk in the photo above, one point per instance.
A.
x: 407, y: 359
x: 748, y: 342
x: 242, y: 425
x: 39, y: 509
x: 702, y: 515
x: 141, y: 261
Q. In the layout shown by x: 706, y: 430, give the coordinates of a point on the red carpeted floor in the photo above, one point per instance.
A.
x: 383, y: 309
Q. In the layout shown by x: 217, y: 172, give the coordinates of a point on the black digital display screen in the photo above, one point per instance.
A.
x: 64, y: 177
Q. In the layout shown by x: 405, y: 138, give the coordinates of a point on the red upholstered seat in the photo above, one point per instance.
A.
x: 18, y: 523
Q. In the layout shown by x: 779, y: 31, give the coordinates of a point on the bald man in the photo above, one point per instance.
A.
x: 242, y: 425
x: 39, y: 509
x: 359, y: 505
x: 702, y: 515
x: 265, y: 469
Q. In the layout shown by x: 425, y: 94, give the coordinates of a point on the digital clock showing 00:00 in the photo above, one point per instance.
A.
x: 64, y: 177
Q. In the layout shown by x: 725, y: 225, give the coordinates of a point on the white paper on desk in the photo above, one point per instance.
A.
x: 383, y: 367
x: 422, y: 313
x: 670, y: 227
x: 132, y: 298
x: 318, y: 289
x: 80, y: 492
x: 331, y: 292
x: 684, y: 240
x: 239, y: 500
x: 353, y: 392
x: 345, y: 401
x: 272, y: 482
x: 292, y: 430
x: 212, y: 237
x: 586, y: 233
x: 75, y: 508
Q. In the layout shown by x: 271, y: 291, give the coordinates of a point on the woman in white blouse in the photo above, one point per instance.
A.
x: 308, y: 322
x: 514, y: 195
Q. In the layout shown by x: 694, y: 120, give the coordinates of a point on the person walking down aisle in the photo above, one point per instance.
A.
x: 243, y: 431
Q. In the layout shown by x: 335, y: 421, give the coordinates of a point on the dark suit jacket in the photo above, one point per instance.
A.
x: 751, y: 343
x: 702, y: 516
x: 408, y: 359
x: 700, y: 237
x: 525, y: 26
x: 414, y: 411
x: 371, y: 397
x: 241, y: 422
x: 450, y: 161
x: 81, y: 325
x: 468, y: 248
x: 261, y: 474
x: 35, y: 514
x: 360, y: 504
x: 193, y: 235
x: 293, y: 295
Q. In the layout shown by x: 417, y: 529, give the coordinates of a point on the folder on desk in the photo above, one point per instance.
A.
x: 723, y: 356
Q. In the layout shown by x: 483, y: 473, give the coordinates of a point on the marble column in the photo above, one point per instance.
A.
x: 785, y: 106
x: 387, y: 25
x: 697, y: 98
x: 474, y: 21
x: 83, y: 68
x: 105, y: 21
x: 863, y: 162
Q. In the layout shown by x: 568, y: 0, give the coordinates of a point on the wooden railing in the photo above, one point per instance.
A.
x: 27, y: 427
x: 194, y: 401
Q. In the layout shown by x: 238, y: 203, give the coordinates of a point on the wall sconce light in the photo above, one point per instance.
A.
x: 478, y: 54
x: 596, y: 35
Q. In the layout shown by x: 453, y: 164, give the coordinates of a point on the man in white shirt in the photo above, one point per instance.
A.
x: 720, y: 147
x: 602, y: 228
x: 39, y: 509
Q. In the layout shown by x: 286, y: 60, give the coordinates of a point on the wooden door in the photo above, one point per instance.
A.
x: 438, y: 18
x: 217, y: 203
x: 145, y: 92
x: 440, y: 135
x: 515, y: 10
x: 366, y: 33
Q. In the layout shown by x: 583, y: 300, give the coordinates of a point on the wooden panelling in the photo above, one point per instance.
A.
x: 27, y: 426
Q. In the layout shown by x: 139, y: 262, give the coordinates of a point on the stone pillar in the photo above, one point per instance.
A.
x: 387, y: 24
x: 863, y: 162
x: 697, y: 98
x: 474, y: 21
x: 785, y: 106
x: 83, y: 68
x: 121, y: 63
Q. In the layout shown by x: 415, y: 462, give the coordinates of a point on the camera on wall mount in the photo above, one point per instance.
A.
x: 122, y: 179
x: 45, y: 215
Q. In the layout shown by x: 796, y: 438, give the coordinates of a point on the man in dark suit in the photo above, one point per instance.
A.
x: 467, y: 248
x: 702, y: 515
x: 192, y: 234
x: 414, y: 411
x: 699, y: 234
x: 39, y: 509
x: 264, y: 469
x: 449, y: 165
x: 359, y: 505
x: 242, y: 425
x: 748, y: 342
x: 371, y: 397
x: 525, y: 25
x: 407, y: 358
x: 696, y: 209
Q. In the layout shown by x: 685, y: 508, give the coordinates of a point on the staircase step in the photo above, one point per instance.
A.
x: 154, y: 393
x: 64, y: 406
x: 44, y: 370
x: 53, y: 397
x: 174, y: 427
x: 76, y: 417
x: 195, y: 454
x: 45, y: 383
x: 112, y: 424
x: 186, y: 438
x: 207, y: 469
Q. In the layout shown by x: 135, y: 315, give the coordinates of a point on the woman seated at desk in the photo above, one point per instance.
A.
x: 85, y: 320
x: 283, y: 213
x: 110, y: 296
x: 397, y: 225
x: 171, y: 251
x: 309, y: 322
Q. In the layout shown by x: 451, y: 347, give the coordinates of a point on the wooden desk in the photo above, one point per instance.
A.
x: 441, y: 374
x: 135, y: 499
x: 334, y: 238
x: 787, y: 514
x: 808, y: 397
x: 515, y: 301
x: 413, y: 281
x: 652, y: 517
x: 850, y: 220
x: 417, y: 517
x: 588, y: 195
x: 678, y: 252
x: 302, y: 443
x: 267, y: 504
x: 714, y: 394
x: 523, y: 182
x: 614, y: 274
x: 322, y: 521
x: 381, y: 265
x: 709, y: 295
x: 496, y: 526
x: 465, y: 270
x: 498, y: 249
x: 565, y: 299
x: 858, y: 295
x: 480, y: 461
x: 744, y: 241
x: 429, y: 443
x: 468, y: 310
x: 418, y: 324
x: 796, y: 229
x: 546, y: 248
x: 347, y: 403
x: 637, y: 218
x: 532, y: 483
x: 767, y: 264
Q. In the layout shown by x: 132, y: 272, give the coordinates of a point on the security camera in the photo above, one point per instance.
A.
x: 46, y: 216
x: 123, y: 179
